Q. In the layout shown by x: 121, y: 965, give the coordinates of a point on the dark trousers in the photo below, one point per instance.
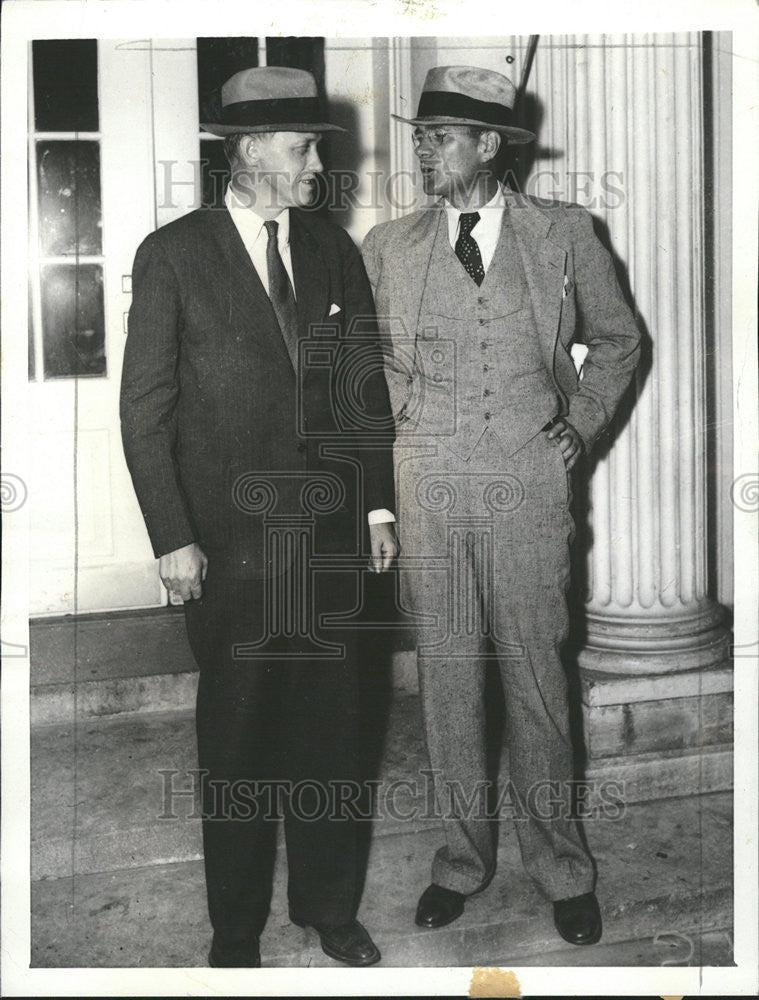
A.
x: 286, y: 718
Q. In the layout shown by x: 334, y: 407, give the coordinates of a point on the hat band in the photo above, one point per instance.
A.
x: 274, y: 111
x: 444, y: 103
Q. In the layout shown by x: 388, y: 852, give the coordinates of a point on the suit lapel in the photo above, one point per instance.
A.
x: 246, y: 289
x: 310, y: 275
x: 409, y: 270
x: 544, y: 265
x: 244, y: 284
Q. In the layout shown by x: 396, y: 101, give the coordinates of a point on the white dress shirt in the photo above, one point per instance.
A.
x: 487, y: 229
x: 250, y: 226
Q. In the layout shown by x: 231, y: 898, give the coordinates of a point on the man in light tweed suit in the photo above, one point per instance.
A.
x: 480, y: 298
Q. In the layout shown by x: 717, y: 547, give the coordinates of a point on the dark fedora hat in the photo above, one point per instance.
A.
x: 270, y: 99
x: 466, y: 95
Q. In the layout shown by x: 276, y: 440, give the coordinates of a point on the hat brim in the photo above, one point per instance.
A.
x: 224, y: 130
x: 510, y: 131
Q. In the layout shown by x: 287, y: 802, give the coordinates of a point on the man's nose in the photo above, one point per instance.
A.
x: 314, y: 163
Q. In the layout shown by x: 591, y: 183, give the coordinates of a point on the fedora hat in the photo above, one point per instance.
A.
x: 270, y: 99
x: 466, y: 95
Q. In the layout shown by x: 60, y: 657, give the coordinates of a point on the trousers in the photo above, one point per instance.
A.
x: 485, y: 571
x: 277, y: 720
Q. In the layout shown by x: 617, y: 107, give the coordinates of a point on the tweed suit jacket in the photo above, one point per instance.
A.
x: 574, y: 293
x: 209, y: 393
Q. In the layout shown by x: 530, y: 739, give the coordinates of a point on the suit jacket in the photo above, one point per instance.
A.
x: 218, y: 431
x: 574, y: 293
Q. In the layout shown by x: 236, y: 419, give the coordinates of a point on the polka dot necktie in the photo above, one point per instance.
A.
x: 466, y: 247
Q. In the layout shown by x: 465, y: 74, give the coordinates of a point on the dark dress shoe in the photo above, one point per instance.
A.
x: 578, y: 919
x: 349, y: 943
x: 234, y: 956
x: 438, y: 906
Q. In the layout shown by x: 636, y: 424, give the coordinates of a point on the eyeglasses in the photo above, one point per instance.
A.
x: 435, y: 136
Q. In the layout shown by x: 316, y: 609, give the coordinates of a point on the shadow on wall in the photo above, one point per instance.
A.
x: 516, y: 167
x: 342, y: 156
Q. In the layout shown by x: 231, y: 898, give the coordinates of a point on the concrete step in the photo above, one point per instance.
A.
x: 117, y: 885
x: 121, y: 663
x: 118, y: 792
x: 156, y: 916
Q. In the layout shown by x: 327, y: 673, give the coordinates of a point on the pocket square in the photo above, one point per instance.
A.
x: 333, y: 309
x: 568, y: 286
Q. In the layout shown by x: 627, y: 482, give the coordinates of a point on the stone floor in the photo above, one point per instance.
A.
x: 119, y: 883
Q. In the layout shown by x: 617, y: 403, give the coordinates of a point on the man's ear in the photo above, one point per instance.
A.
x: 250, y: 150
x: 490, y: 143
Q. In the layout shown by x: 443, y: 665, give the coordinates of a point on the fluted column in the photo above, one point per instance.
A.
x: 403, y: 190
x: 633, y: 136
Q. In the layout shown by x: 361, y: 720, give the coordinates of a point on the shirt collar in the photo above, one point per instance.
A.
x: 489, y: 221
x: 249, y: 223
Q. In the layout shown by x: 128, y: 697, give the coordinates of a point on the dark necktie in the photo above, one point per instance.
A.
x: 466, y: 247
x: 281, y: 294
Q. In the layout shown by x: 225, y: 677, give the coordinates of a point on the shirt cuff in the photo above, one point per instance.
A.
x: 381, y: 516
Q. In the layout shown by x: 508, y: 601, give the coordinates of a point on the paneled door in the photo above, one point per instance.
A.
x: 104, y: 117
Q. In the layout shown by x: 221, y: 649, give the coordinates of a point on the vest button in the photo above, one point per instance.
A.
x: 487, y: 416
x: 481, y: 322
x: 486, y: 368
x: 486, y: 392
x: 484, y: 345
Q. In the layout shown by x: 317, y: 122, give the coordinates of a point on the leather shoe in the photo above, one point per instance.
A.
x: 237, y: 956
x: 578, y: 919
x: 349, y: 943
x: 439, y: 906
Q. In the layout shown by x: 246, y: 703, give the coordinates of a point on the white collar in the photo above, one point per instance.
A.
x: 250, y: 224
x: 489, y: 221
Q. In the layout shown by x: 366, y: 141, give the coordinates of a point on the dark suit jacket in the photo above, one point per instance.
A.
x: 209, y: 393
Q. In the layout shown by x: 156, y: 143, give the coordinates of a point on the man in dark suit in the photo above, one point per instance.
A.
x: 480, y: 298
x: 257, y: 430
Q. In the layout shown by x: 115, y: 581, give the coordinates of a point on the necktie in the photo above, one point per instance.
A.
x: 281, y: 293
x: 466, y: 247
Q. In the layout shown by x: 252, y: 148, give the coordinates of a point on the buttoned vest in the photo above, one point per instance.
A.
x: 479, y: 363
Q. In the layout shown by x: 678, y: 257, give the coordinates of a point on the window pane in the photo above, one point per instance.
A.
x: 73, y: 328
x: 30, y: 324
x: 66, y: 85
x: 218, y: 59
x: 215, y: 172
x: 68, y: 176
x: 299, y: 53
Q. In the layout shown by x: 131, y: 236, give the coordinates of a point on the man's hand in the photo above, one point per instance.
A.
x: 183, y: 570
x: 385, y: 545
x: 570, y: 442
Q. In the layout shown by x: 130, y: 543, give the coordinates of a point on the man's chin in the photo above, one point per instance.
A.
x: 306, y: 193
x: 430, y: 187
